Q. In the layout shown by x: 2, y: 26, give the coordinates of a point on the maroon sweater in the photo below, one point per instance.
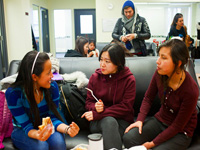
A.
x: 178, y: 111
x: 117, y: 91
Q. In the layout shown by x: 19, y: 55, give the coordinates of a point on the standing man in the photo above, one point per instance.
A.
x: 132, y: 29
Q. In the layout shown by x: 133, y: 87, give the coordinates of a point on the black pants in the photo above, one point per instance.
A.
x: 150, y: 130
x: 112, y: 131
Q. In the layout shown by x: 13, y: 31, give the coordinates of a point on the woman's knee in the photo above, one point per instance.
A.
x: 131, y: 138
x: 109, y: 122
x: 57, y: 141
x: 41, y: 146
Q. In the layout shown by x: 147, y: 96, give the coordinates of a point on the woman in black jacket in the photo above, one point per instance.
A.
x: 178, y: 29
x: 81, y: 48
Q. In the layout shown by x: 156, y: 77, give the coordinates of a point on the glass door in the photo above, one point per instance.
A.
x: 63, y: 31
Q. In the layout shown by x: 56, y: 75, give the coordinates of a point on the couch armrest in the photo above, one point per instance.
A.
x: 13, y: 68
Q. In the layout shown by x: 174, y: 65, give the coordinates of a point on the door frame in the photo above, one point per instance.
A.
x: 78, y: 12
x: 45, y: 29
x: 3, y: 43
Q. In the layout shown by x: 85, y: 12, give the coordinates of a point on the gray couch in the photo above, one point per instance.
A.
x: 142, y: 68
x: 151, y: 47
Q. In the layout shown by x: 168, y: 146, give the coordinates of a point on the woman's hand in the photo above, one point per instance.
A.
x: 73, y: 130
x: 45, y: 133
x: 148, y: 145
x: 96, y: 53
x: 99, y: 106
x: 137, y: 124
x: 124, y: 39
x: 130, y: 37
x: 90, y: 54
x: 88, y: 115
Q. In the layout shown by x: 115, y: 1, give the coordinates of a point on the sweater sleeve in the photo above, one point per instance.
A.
x: 90, y: 101
x: 148, y: 98
x: 116, y: 34
x: 145, y: 34
x: 15, y: 104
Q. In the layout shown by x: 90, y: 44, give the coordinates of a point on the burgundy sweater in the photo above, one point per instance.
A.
x: 117, y: 91
x: 178, y: 110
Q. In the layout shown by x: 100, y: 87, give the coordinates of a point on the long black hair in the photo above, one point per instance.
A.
x: 176, y: 17
x: 24, y: 81
x: 178, y: 52
x: 116, y: 53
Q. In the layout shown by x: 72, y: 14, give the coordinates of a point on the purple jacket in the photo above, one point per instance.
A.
x: 178, y: 111
x: 117, y: 91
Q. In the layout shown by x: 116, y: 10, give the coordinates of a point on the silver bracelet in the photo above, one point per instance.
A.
x: 66, y: 130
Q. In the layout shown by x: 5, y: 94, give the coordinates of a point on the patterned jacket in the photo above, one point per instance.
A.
x: 141, y: 29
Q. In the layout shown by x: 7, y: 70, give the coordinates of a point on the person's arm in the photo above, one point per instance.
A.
x: 117, y: 33
x: 145, y: 33
x: 90, y: 101
x: 71, y: 129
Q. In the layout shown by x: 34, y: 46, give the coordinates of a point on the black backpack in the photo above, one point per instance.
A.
x: 72, y: 104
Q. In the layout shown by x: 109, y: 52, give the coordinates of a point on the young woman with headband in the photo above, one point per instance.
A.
x: 34, y: 96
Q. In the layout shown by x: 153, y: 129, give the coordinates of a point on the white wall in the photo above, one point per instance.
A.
x: 18, y: 25
x: 18, y: 28
x: 154, y: 13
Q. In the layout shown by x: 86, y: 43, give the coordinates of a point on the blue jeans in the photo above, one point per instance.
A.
x: 55, y: 142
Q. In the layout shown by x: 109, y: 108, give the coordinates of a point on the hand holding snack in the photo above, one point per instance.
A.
x: 45, y: 122
x: 46, y: 129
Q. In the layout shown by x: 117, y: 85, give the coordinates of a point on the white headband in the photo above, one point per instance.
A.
x: 34, y: 62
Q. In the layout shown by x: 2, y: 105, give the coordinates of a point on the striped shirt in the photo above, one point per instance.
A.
x: 20, y: 108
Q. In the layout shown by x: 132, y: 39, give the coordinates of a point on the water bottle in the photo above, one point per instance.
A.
x: 95, y: 141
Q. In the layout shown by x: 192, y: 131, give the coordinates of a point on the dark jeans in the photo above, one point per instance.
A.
x: 112, y: 131
x: 55, y: 142
x: 150, y: 130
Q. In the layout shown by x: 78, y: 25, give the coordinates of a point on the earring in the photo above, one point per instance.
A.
x: 36, y: 90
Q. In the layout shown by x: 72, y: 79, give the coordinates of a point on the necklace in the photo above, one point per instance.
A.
x: 38, y: 96
x: 180, y: 80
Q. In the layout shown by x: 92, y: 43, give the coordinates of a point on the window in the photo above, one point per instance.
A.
x: 63, y: 30
x: 159, y: 16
